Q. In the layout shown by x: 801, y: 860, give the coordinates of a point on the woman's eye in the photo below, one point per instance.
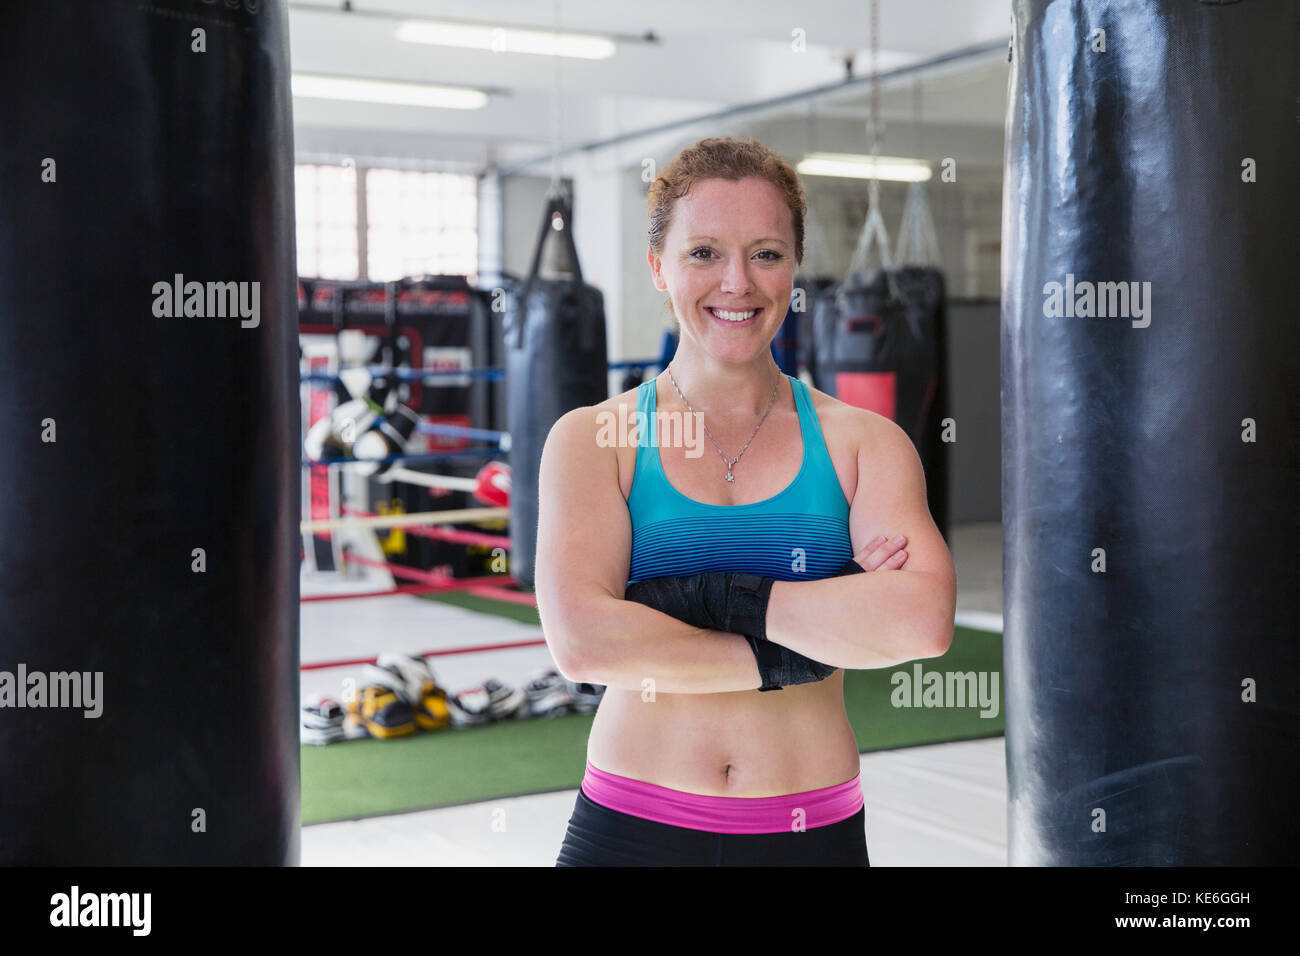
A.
x: 772, y: 254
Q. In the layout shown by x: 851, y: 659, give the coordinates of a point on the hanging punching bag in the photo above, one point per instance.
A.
x: 820, y: 296
x: 878, y: 344
x: 148, y: 578
x: 791, y: 345
x: 1151, y: 434
x: 555, y: 362
x: 861, y: 339
x: 923, y: 381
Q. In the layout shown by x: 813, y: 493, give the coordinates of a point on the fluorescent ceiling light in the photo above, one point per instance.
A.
x: 385, y: 91
x: 583, y: 46
x: 856, y: 166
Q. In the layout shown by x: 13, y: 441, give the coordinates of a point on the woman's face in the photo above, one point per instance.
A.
x: 729, y: 250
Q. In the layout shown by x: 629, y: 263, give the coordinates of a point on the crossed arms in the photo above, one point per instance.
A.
x: 859, y: 621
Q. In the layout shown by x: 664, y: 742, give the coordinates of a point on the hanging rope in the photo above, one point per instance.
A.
x: 555, y: 187
x: 918, y: 243
x: 873, y: 232
x: 874, y: 117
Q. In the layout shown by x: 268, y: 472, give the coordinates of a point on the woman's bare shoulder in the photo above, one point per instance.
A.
x: 577, y: 422
x: 592, y: 435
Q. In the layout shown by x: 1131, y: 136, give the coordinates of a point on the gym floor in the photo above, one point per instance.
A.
x: 935, y: 805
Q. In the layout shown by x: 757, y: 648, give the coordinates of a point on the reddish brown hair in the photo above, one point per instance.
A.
x: 723, y: 158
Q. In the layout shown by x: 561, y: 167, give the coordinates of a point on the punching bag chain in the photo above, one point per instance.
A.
x: 555, y: 187
x: 874, y: 130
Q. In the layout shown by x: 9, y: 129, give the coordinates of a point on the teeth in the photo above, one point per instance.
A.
x: 734, y: 316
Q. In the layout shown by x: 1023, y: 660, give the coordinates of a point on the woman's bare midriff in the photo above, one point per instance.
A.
x: 742, y: 744
x: 745, y: 743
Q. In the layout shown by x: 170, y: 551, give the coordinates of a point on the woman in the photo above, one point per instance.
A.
x: 690, y: 762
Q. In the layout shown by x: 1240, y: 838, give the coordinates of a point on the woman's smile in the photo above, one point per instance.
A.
x: 734, y: 318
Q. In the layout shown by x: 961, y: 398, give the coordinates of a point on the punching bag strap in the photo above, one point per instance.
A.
x: 917, y: 242
x: 558, y: 217
x: 873, y: 233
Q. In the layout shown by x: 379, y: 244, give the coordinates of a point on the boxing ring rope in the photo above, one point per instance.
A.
x: 433, y: 579
x: 429, y: 459
x: 454, y: 535
x: 489, y: 373
x: 491, y: 586
x: 501, y: 439
x: 399, y: 589
x: 424, y: 524
x: 461, y: 515
x: 426, y: 480
x: 497, y: 592
x: 409, y: 374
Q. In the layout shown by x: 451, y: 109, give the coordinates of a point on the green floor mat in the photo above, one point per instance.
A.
x: 363, y: 778
x: 472, y: 602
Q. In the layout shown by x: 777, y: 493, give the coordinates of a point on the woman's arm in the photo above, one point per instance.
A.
x: 889, y: 616
x: 584, y: 546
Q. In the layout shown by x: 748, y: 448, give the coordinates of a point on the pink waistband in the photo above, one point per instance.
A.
x: 697, y: 811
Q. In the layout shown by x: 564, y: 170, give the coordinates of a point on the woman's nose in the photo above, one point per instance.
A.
x: 736, y: 278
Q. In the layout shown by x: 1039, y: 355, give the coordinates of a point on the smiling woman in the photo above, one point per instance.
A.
x: 756, y: 180
x: 693, y: 588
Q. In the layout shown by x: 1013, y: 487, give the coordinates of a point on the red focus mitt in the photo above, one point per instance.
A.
x: 493, y: 484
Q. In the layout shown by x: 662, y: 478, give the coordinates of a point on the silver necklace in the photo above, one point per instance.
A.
x: 730, y: 461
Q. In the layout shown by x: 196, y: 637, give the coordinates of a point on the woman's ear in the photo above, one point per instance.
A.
x: 656, y: 269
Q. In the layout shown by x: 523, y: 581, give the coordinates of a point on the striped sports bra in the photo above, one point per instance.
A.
x: 799, y: 534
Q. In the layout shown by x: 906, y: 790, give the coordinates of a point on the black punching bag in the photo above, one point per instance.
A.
x: 1151, y: 434
x: 148, y: 577
x: 879, y: 343
x: 555, y: 362
x: 923, y: 382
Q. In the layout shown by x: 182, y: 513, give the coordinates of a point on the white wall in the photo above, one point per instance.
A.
x: 610, y: 233
x: 609, y: 205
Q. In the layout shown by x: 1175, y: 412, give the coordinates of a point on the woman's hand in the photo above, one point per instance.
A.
x: 883, y: 553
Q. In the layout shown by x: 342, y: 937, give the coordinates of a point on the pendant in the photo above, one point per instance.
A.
x: 729, y: 476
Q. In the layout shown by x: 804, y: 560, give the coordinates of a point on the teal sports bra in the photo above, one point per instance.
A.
x: 799, y: 534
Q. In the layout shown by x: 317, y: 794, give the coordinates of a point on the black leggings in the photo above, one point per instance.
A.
x: 599, y: 836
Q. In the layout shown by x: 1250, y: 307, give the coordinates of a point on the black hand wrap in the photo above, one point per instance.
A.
x: 778, y: 666
x: 736, y: 603
x: 718, y: 600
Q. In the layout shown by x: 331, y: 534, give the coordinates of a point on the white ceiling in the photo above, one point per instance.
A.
x: 711, y: 55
